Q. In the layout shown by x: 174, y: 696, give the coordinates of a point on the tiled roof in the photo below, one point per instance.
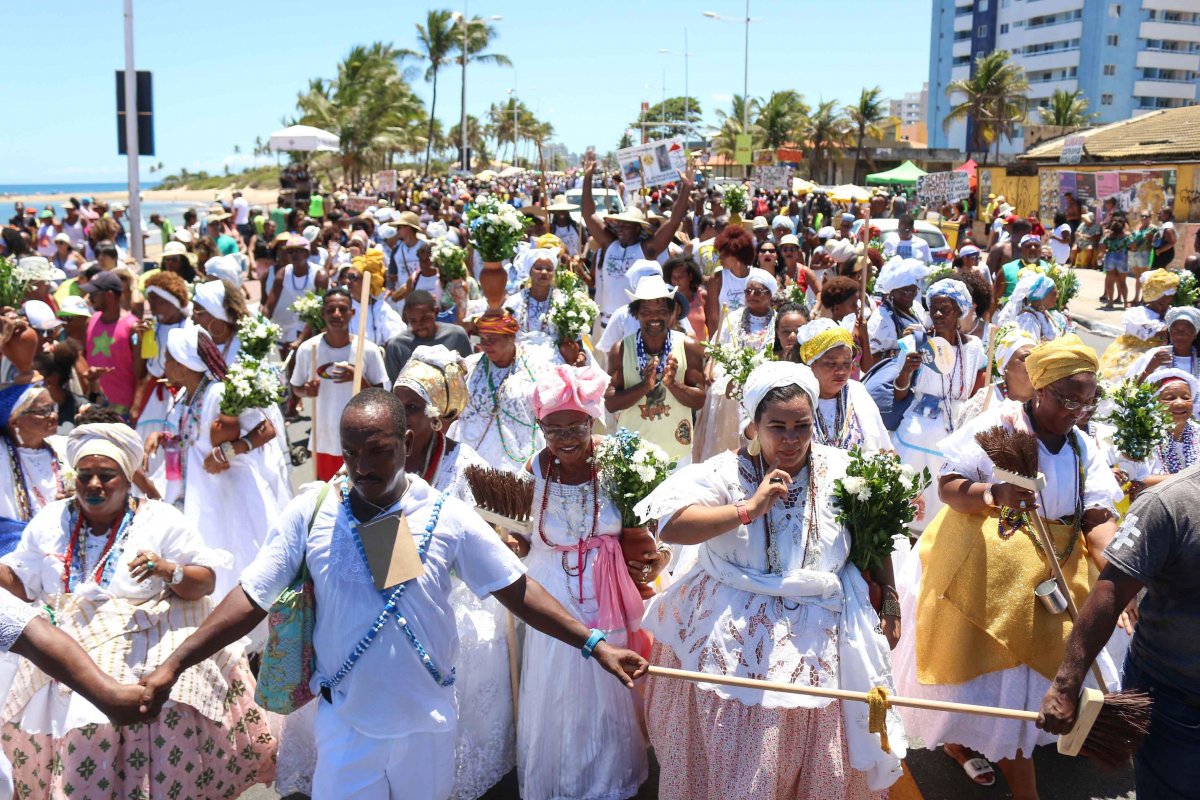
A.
x: 1167, y: 135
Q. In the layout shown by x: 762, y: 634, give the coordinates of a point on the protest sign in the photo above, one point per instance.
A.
x: 1072, y: 150
x: 359, y: 203
x: 774, y: 177
x: 943, y: 187
x: 653, y: 163
x: 385, y: 180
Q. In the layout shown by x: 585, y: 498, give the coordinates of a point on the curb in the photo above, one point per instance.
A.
x: 1098, y: 328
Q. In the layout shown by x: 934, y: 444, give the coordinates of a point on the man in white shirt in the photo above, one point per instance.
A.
x: 386, y: 718
x: 904, y: 244
x: 241, y: 216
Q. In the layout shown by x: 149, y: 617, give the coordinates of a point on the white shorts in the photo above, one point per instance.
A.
x: 352, y: 766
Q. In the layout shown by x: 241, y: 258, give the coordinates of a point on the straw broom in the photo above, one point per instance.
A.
x: 1108, y: 728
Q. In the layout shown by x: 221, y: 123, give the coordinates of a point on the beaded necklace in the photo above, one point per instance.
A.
x: 843, y: 417
x: 21, y: 485
x: 1170, y: 457
x: 581, y: 560
x: 433, y: 458
x: 392, y: 602
x: 75, y: 566
x: 774, y: 560
x: 643, y: 358
x: 767, y: 333
x: 959, y: 367
x: 535, y: 309
x: 189, y: 424
x: 498, y: 409
x: 1012, y: 520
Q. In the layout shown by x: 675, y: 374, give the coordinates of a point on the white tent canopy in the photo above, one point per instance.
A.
x: 304, y: 138
x: 511, y: 172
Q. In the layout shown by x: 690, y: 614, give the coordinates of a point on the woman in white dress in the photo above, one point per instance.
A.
x: 1177, y: 390
x: 772, y: 596
x: 1013, y: 346
x: 170, y: 303
x: 219, y: 308
x: 845, y: 415
x: 577, y: 736
x: 233, y: 471
x: 1183, y: 324
x: 749, y: 326
x: 900, y: 309
x: 975, y: 643
x: 129, y: 580
x: 31, y: 465
x: 1031, y: 308
x: 938, y: 386
x: 433, y: 388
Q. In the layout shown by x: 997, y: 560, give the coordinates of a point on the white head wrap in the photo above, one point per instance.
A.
x: 1186, y: 314
x: 311, y: 233
x: 1158, y: 376
x: 114, y: 440
x: 1008, y: 342
x: 158, y: 291
x: 226, y: 268
x: 183, y: 344
x: 1032, y: 286
x: 762, y: 278
x: 211, y: 297
x: 773, y: 375
x: 900, y: 272
x: 956, y: 290
x: 781, y: 221
x: 531, y: 256
x: 840, y: 250
x: 41, y: 316
x: 386, y: 232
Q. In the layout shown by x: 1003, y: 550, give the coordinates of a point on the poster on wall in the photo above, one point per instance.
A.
x: 1049, y: 195
x: 1146, y: 190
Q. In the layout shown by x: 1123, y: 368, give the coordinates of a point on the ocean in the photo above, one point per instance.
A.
x: 172, y: 211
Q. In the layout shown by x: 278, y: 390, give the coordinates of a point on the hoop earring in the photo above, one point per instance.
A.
x: 436, y: 424
x: 754, y: 448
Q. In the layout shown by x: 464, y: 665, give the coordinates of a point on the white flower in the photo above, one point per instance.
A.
x: 854, y: 486
x: 907, y: 471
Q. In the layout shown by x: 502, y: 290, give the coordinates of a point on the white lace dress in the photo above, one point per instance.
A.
x: 718, y: 428
x: 578, y: 734
x: 498, y: 421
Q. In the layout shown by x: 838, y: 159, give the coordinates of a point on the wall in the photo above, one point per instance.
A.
x: 1021, y: 192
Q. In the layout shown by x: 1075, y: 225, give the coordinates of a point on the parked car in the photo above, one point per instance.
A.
x: 939, y: 248
x: 607, y: 201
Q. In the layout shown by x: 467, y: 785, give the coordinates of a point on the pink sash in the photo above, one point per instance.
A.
x: 619, y: 603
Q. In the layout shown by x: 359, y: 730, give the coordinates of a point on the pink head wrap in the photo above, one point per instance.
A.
x: 570, y: 389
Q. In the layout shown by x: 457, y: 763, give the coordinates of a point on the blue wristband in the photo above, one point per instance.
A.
x: 596, y: 638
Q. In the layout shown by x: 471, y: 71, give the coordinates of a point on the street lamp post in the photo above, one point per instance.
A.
x: 687, y: 97
x: 746, y: 20
x: 465, y: 21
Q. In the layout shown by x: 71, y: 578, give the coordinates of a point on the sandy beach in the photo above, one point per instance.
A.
x: 259, y: 197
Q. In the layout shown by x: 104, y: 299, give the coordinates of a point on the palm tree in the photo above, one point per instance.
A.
x: 437, y: 40
x: 477, y: 38
x: 476, y: 136
x: 731, y: 126
x: 780, y: 116
x: 994, y: 101
x: 867, y: 116
x: 368, y: 105
x: 1067, y: 110
x: 825, y: 130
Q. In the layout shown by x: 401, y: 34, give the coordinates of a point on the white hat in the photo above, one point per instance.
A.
x: 41, y: 316
x: 642, y: 268
x: 173, y: 249
x: 227, y: 268
x: 826, y: 233
x: 387, y: 231
x: 969, y: 250
x: 117, y: 207
x: 788, y: 238
x: 840, y: 250
x: 63, y: 238
x: 311, y: 233
x: 761, y: 223
x: 651, y: 287
x: 183, y: 235
x: 33, y: 268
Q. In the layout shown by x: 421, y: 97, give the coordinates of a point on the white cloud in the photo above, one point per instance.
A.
x: 722, y: 97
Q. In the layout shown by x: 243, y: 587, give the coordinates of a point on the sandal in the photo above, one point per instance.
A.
x: 977, y: 767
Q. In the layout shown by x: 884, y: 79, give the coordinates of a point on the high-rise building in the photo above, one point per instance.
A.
x: 1125, y: 57
x: 910, y: 109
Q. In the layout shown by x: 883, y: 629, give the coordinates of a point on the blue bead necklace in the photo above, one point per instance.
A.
x: 643, y: 358
x: 392, y: 599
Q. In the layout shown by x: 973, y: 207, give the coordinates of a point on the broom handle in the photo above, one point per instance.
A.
x: 317, y: 378
x: 843, y: 694
x: 364, y: 308
x: 514, y: 666
x: 987, y: 398
x: 1060, y: 579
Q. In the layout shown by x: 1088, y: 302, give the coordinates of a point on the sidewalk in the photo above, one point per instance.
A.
x: 1087, y: 311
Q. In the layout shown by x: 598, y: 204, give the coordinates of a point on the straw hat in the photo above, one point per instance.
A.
x: 533, y: 211
x: 409, y: 219
x: 631, y: 214
x: 217, y: 212
x: 560, y: 204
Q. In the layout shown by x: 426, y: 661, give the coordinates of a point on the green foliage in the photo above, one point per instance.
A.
x: 253, y: 178
x: 12, y: 291
x: 1142, y: 421
x: 1188, y: 292
x: 669, y: 118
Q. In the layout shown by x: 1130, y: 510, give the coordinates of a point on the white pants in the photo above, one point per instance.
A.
x: 357, y: 767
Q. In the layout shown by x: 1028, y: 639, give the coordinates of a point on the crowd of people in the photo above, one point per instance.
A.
x: 150, y: 512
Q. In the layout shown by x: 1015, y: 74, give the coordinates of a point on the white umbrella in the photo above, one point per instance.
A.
x: 304, y: 138
x: 511, y: 172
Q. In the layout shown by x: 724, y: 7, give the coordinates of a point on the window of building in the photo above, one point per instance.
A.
x: 1110, y: 69
x: 1112, y: 40
x: 981, y: 32
x: 1106, y: 99
x: 982, y: 5
x: 1114, y: 10
x: 1003, y: 27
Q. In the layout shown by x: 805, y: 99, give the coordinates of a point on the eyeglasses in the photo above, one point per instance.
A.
x: 40, y: 411
x: 758, y: 292
x: 1073, y: 406
x: 569, y: 432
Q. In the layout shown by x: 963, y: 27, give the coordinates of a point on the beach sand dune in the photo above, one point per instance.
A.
x: 258, y: 197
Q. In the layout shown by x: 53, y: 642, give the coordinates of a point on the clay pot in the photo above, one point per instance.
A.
x: 21, y: 347
x: 492, y: 281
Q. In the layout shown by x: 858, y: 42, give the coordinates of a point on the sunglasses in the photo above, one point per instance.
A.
x: 770, y: 250
x: 568, y: 432
x: 758, y: 292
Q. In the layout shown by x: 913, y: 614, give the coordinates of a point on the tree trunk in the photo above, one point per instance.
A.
x: 858, y: 154
x: 432, y: 106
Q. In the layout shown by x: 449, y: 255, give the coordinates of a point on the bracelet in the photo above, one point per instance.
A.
x: 897, y: 387
x: 596, y: 638
x: 890, y: 607
x: 227, y: 451
x: 743, y: 514
x: 247, y: 442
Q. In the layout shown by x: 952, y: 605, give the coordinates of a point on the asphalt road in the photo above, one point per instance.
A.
x: 936, y: 776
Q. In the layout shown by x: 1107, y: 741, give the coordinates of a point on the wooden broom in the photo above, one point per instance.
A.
x: 1108, y: 728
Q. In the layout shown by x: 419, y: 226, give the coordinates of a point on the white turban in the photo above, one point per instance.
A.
x: 900, y: 272
x: 840, y: 250
x: 386, y: 231
x: 781, y: 221
x: 1186, y: 314
x: 114, y: 440
x: 524, y: 261
x: 1161, y: 376
x: 183, y: 344
x: 773, y: 375
x: 955, y: 289
x: 762, y: 278
x: 226, y: 268
x: 211, y: 297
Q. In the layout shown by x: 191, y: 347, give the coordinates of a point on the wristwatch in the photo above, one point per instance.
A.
x: 177, y: 575
x: 987, y: 496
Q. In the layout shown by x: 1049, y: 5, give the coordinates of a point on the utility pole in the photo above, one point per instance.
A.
x: 133, y: 213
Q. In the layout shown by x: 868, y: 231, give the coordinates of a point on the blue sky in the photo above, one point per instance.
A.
x: 225, y: 72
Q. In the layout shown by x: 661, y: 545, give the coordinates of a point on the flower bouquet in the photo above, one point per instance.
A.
x: 308, y: 307
x: 737, y: 362
x: 567, y: 280
x: 12, y: 290
x: 875, y: 503
x: 735, y: 200
x: 495, y: 228
x: 251, y: 383
x: 258, y: 335
x: 1066, y: 282
x: 1188, y: 291
x: 450, y: 260
x: 572, y: 313
x: 1142, y: 423
x: 630, y: 468
x: 794, y: 294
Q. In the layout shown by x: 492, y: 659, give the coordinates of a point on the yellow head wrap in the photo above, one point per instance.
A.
x: 1060, y: 358
x: 437, y: 375
x: 1158, y: 284
x: 548, y: 241
x: 819, y: 337
x: 371, y: 263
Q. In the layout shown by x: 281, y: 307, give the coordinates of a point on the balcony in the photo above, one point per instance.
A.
x: 1161, y: 59
x: 1186, y: 6
x: 1180, y: 90
x: 1052, y: 33
x: 1047, y: 88
x: 1171, y: 31
x: 961, y: 48
x: 1044, y: 8
x: 1058, y: 59
x: 963, y: 23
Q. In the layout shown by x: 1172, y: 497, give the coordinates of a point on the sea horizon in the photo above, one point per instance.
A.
x: 71, y: 187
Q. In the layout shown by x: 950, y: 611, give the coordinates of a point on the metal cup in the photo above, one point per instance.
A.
x: 1051, y: 596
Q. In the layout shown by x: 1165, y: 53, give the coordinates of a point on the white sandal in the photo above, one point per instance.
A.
x: 977, y: 768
